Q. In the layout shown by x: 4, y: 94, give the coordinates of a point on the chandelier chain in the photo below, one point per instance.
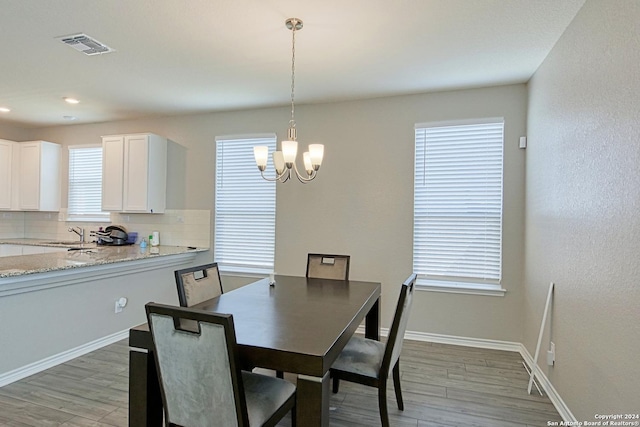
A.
x: 293, y: 74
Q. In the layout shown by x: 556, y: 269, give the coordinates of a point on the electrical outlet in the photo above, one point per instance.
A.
x: 120, y: 304
x: 551, y: 354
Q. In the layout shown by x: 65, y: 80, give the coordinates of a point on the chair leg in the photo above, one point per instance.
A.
x: 280, y: 374
x: 396, y: 385
x: 336, y: 384
x: 294, y: 420
x: 382, y: 403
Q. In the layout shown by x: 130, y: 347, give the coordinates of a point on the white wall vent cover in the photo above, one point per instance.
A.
x: 85, y: 44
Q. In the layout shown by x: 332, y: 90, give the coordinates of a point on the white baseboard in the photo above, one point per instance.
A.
x: 49, y: 362
x: 517, y: 347
x: 554, y: 396
x: 454, y: 340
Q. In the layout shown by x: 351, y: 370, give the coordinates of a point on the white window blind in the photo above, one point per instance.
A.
x: 458, y: 202
x: 85, y: 184
x: 245, y: 206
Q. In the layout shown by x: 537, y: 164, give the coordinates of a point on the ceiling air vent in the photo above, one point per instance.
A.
x: 85, y: 44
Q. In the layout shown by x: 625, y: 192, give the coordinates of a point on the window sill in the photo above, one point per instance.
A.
x: 460, y: 288
x: 258, y: 273
x: 106, y: 219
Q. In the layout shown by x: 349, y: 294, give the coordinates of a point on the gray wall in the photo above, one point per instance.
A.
x: 582, y: 222
x: 362, y: 202
x: 12, y: 132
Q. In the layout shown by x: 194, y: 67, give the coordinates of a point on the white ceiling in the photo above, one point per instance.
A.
x: 187, y: 56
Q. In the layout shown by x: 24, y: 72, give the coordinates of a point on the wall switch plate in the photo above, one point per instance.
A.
x: 118, y: 307
x: 523, y: 142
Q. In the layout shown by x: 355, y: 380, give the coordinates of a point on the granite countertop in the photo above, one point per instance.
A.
x: 89, y: 255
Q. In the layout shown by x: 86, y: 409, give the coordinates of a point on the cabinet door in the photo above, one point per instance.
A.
x: 6, y: 154
x: 112, y: 173
x: 29, y: 182
x: 136, y: 172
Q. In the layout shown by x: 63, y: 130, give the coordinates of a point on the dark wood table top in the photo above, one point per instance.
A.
x: 300, y: 325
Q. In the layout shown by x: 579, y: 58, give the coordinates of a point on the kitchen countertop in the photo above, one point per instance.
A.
x: 89, y: 255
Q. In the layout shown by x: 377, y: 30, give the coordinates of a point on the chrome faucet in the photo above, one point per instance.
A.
x: 79, y: 231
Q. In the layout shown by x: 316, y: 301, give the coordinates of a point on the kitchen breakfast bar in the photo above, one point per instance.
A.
x: 57, y: 304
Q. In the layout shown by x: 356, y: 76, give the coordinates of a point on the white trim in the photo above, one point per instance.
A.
x: 80, y: 146
x: 517, y: 347
x: 460, y: 288
x: 50, y: 362
x: 246, y: 136
x: 462, y: 122
x: 553, y: 394
x: 454, y: 340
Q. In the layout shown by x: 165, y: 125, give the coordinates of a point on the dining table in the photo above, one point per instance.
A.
x: 292, y: 324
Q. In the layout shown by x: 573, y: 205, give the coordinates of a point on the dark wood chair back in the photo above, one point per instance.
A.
x: 197, y: 284
x: 323, y: 266
x: 398, y: 326
x: 198, y: 370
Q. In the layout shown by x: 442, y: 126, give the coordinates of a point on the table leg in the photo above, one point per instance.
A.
x: 312, y: 401
x: 145, y: 400
x: 372, y: 322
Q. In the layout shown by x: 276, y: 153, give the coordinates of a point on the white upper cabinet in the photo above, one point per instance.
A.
x: 112, y: 172
x: 39, y: 176
x: 134, y: 173
x: 6, y: 174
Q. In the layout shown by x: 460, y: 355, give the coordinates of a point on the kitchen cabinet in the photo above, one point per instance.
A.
x: 39, y: 176
x: 6, y: 173
x: 134, y: 173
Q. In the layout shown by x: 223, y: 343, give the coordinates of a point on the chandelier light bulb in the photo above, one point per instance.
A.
x: 316, y: 153
x: 261, y: 154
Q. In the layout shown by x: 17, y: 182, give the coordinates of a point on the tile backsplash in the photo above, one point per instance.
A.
x: 176, y: 227
x: 12, y: 225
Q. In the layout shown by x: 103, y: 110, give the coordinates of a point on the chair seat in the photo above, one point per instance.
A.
x: 264, y: 395
x: 361, y: 356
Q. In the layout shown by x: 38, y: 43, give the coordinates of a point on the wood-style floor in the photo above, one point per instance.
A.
x: 442, y: 385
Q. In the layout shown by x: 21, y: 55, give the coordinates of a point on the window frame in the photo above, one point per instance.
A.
x: 249, y: 172
x: 72, y: 216
x: 439, y: 282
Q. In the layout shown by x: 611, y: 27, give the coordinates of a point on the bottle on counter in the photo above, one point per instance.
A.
x: 143, y: 243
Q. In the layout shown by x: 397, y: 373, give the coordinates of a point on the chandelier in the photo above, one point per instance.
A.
x: 284, y: 161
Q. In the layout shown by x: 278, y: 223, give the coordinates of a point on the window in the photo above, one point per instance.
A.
x: 85, y: 184
x: 457, y: 231
x: 245, y: 207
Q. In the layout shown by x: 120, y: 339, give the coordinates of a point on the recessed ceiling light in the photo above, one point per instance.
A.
x: 71, y: 100
x: 4, y: 109
x: 69, y: 117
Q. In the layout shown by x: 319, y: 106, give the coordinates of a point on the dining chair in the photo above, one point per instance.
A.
x: 370, y: 362
x: 197, y: 284
x: 322, y: 266
x: 201, y: 382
